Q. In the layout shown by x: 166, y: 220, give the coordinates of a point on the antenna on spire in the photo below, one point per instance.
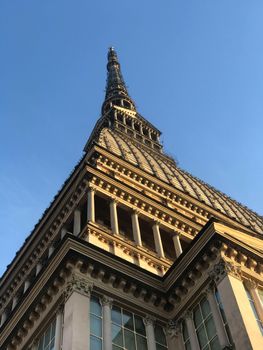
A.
x: 116, y: 90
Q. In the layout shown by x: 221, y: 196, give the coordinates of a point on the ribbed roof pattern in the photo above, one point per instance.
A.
x: 166, y: 170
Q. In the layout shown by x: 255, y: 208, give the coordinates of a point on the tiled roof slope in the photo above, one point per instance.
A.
x: 165, y: 169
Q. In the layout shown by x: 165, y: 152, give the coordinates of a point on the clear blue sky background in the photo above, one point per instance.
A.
x: 194, y: 68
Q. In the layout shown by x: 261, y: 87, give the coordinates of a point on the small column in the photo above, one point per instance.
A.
x: 63, y: 232
x: 3, y: 318
x: 38, y: 268
x: 76, y: 328
x: 252, y: 287
x: 106, y: 303
x: 136, y: 228
x: 77, y: 222
x: 177, y: 245
x: 91, y: 205
x: 157, y: 240
x: 114, y: 217
x: 26, y: 285
x: 58, y: 330
x: 220, y: 329
x: 14, y: 302
x: 149, y: 328
x: 191, y: 331
x: 50, y: 250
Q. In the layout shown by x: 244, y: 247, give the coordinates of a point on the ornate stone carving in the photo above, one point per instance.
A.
x: 173, y: 328
x: 78, y: 284
x: 223, y: 268
x: 251, y: 284
x: 149, y: 320
x: 105, y: 300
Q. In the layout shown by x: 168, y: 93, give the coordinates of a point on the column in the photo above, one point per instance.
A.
x: 114, y: 217
x: 220, y: 329
x: 14, y: 301
x: 191, y: 331
x: 3, y: 318
x: 252, y: 287
x: 63, y: 232
x: 50, y: 250
x: 106, y: 303
x: 177, y: 245
x: 77, y: 222
x: 91, y: 205
x: 38, y: 268
x: 157, y: 240
x: 76, y: 329
x: 58, y: 330
x: 239, y: 315
x: 26, y: 285
x: 136, y: 228
x: 149, y: 328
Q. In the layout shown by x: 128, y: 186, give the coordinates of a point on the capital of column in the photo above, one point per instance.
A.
x: 136, y: 211
x: 106, y: 301
x: 176, y: 233
x: 91, y: 189
x: 149, y: 320
x: 251, y: 284
x: 78, y: 284
x: 188, y: 315
x: 156, y: 222
x: 223, y: 268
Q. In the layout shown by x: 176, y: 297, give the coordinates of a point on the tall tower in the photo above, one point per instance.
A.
x: 135, y: 253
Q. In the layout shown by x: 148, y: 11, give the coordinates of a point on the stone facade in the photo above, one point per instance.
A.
x: 135, y: 253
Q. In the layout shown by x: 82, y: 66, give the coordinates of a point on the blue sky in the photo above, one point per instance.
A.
x: 194, y: 69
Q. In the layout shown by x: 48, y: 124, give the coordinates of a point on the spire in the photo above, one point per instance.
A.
x: 116, y: 90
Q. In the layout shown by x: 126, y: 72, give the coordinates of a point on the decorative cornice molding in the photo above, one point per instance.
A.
x: 79, y: 285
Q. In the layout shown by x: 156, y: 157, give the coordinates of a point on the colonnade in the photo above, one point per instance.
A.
x: 135, y: 225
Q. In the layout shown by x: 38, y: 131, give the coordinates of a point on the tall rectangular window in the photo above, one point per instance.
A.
x: 47, y: 340
x: 160, y: 338
x: 222, y: 312
x: 128, y: 331
x: 255, y: 312
x: 95, y: 324
x: 205, y: 326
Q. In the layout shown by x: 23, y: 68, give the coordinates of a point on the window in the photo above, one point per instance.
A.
x: 253, y: 307
x: 222, y: 312
x: 186, y: 337
x: 95, y: 324
x: 160, y: 339
x: 47, y: 340
x: 128, y: 331
x: 205, y: 326
x: 260, y: 293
